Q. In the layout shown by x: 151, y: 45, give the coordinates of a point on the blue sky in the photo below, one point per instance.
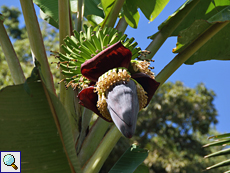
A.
x: 212, y: 73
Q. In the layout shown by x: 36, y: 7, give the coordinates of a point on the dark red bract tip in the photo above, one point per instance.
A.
x: 149, y: 84
x: 114, y: 56
x: 88, y: 98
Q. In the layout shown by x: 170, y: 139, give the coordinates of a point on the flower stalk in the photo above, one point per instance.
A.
x: 80, y: 15
x: 112, y: 17
x: 107, y: 144
x: 67, y: 97
x: 95, y: 134
x: 64, y: 30
x: 122, y: 25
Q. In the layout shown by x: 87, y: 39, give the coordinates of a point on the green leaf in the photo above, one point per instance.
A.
x: 91, y: 7
x: 203, y: 10
x: 27, y: 125
x: 219, y: 153
x: 218, y: 143
x: 131, y: 13
x: 48, y: 19
x: 221, y: 140
x: 221, y: 164
x: 187, y: 36
x: 192, y: 21
x: 225, y: 135
x: 49, y: 9
x: 130, y: 160
x: 151, y: 8
x: 217, y: 47
x: 66, y: 130
x: 199, y: 27
x: 173, y: 21
x: 107, y: 6
x: 94, y: 20
x: 142, y: 169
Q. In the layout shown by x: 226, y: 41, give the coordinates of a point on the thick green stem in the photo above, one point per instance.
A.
x: 111, y: 19
x: 188, y: 52
x: 64, y: 30
x: 97, y: 160
x: 95, y: 134
x: 122, y: 25
x: 11, y: 57
x: 167, y: 30
x: 36, y: 41
x: 80, y: 14
x: 67, y: 96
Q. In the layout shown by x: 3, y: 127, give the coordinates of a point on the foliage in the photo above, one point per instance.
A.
x: 11, y: 22
x: 174, y: 130
x: 38, y: 119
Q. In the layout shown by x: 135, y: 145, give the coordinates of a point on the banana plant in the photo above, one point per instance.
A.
x: 103, y: 72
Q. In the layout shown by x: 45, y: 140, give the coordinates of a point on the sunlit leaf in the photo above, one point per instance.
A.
x: 94, y: 20
x: 151, y: 8
x: 131, y: 13
x: 91, y: 7
x: 107, y: 6
x: 50, y: 9
x: 48, y: 19
x: 176, y: 17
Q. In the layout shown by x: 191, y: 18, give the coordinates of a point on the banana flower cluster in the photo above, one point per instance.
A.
x: 119, y: 87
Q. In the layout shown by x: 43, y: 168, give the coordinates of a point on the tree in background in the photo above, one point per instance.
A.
x: 170, y: 126
x: 21, y: 44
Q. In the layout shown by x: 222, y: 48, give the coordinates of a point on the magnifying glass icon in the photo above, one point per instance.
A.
x: 9, y: 160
